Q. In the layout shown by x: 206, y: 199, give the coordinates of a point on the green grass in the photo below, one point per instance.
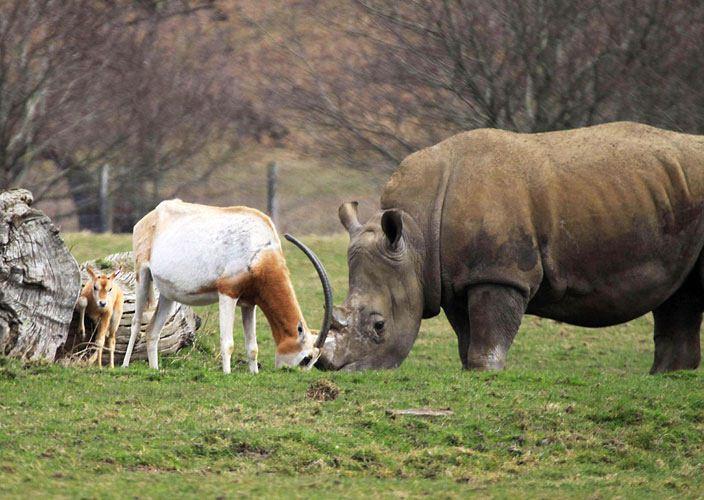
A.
x: 575, y: 414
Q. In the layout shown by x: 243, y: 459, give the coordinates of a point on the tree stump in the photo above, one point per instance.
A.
x: 39, y: 280
x: 178, y: 332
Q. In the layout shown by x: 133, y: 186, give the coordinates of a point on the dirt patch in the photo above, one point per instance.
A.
x: 150, y: 469
x: 323, y: 390
x: 248, y: 450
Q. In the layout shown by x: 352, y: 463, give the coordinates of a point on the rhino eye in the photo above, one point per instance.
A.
x: 379, y: 325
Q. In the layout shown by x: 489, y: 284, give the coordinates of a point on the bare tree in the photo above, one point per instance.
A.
x: 407, y: 74
x: 137, y: 84
x: 39, y: 48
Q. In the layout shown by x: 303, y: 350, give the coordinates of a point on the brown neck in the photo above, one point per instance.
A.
x: 276, y: 298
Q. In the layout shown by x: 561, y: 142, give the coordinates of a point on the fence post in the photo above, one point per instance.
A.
x: 105, y: 201
x: 272, y: 202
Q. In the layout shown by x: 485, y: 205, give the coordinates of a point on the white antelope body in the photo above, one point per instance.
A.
x: 198, y: 254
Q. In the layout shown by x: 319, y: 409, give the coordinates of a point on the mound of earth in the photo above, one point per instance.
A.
x: 323, y: 390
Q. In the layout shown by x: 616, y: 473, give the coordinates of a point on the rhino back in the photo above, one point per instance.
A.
x: 595, y: 225
x: 418, y: 183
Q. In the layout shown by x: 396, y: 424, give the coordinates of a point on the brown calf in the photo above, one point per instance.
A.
x: 102, y: 299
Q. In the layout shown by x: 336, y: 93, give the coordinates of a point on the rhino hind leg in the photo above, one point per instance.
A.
x: 677, y: 325
x: 495, y: 314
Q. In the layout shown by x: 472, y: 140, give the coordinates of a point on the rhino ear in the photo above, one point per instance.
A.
x: 392, y: 225
x: 348, y: 216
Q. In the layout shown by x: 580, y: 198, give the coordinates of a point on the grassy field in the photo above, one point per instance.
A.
x: 575, y: 414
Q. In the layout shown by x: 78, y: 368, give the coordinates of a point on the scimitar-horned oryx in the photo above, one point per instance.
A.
x: 198, y: 254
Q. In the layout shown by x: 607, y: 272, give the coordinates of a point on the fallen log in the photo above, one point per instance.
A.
x: 179, y: 330
x: 39, y: 280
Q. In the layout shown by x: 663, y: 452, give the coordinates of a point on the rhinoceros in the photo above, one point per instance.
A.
x: 593, y: 226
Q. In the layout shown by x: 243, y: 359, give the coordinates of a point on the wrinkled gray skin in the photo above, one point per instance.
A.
x: 593, y: 227
x: 389, y: 269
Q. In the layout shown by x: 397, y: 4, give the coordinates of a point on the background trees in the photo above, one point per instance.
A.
x: 167, y: 92
x: 137, y: 85
x: 412, y: 73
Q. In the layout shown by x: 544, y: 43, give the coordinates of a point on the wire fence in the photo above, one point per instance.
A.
x: 301, y: 196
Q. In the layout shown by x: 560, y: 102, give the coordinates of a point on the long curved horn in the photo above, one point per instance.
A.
x: 327, y: 289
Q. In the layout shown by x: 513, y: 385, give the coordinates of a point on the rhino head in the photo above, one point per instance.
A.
x: 379, y: 320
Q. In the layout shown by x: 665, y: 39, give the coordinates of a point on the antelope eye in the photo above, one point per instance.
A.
x: 95, y: 287
x: 109, y: 289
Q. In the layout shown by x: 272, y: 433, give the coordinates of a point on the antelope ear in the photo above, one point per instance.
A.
x: 91, y: 271
x: 348, y: 216
x: 392, y: 225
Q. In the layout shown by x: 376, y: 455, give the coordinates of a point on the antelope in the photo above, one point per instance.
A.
x: 102, y: 298
x: 199, y: 254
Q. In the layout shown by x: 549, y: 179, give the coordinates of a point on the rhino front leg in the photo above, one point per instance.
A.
x: 495, y: 313
x: 459, y: 319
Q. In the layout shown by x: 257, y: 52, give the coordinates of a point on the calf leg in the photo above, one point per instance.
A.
x: 162, y: 313
x: 103, y: 326
x: 250, y: 336
x: 81, y: 304
x: 227, y: 317
x: 112, y: 336
x: 495, y: 313
x: 111, y: 348
x: 677, y: 323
